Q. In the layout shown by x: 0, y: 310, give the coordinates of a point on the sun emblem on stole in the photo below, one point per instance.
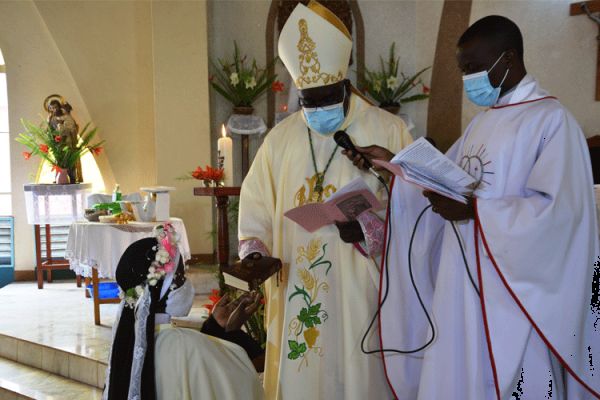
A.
x: 476, y: 164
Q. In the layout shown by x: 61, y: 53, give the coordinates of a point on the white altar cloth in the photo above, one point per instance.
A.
x: 100, y: 245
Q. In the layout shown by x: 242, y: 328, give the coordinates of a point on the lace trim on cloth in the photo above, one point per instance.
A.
x: 114, y: 332
x: 372, y: 228
x: 139, y: 349
x: 133, y: 228
x: 252, y: 246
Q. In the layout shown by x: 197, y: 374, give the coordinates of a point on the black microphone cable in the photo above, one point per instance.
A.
x: 412, y: 279
x: 387, y: 286
x: 464, y: 257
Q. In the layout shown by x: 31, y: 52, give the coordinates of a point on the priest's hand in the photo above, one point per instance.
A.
x: 449, y: 209
x: 370, y: 153
x: 350, y: 232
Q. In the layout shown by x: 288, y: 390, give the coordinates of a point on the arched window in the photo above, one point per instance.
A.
x: 5, y: 196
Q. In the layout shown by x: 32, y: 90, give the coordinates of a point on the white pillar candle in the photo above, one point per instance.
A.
x: 225, y: 154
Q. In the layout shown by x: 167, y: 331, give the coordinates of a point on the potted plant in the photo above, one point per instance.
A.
x: 48, y: 143
x: 241, y: 82
x: 391, y: 88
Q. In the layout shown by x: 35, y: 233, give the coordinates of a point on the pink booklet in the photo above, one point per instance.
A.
x: 343, y: 206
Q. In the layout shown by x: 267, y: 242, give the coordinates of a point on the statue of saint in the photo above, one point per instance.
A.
x: 60, y: 119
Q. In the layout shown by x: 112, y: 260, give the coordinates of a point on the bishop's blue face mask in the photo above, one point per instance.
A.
x: 325, y: 120
x: 479, y: 89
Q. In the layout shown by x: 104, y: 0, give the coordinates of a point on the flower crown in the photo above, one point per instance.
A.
x: 163, y: 263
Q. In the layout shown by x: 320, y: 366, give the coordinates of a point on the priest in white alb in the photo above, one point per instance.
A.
x: 317, y: 316
x: 509, y: 308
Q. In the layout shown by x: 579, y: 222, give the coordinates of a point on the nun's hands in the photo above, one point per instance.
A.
x: 245, y: 306
x: 231, y: 313
x: 223, y: 309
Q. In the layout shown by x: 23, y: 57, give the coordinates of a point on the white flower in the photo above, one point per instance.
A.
x: 234, y: 78
x: 139, y: 290
x: 121, y: 294
x: 162, y: 256
x: 152, y: 270
x: 392, y: 82
x: 152, y: 282
x: 250, y: 83
x: 377, y: 86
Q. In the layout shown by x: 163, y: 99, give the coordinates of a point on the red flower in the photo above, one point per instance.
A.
x: 210, y: 174
x: 277, y: 86
x: 26, y: 155
x: 97, y: 150
x: 426, y: 89
x: 57, y: 138
x: 44, y: 148
x: 57, y: 169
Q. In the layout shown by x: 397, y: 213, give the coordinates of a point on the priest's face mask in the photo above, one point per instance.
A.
x: 484, y: 71
x: 324, y: 107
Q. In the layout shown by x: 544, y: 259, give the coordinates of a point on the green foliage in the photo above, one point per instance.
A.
x: 297, y: 349
x: 389, y: 89
x: 240, y: 82
x: 58, y: 153
x: 309, y: 316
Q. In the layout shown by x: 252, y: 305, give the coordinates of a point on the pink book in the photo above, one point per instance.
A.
x: 343, y: 206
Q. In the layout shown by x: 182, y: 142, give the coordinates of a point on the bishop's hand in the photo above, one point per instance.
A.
x: 449, y: 209
x: 350, y: 232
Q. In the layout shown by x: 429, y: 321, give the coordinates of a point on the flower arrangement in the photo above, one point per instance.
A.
x: 162, y: 264
x: 240, y: 82
x: 208, y: 175
x: 50, y: 145
x: 389, y: 89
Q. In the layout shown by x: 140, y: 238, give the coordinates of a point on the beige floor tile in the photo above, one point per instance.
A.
x: 29, y: 354
x: 7, y: 395
x: 8, y: 347
x: 83, y: 370
x: 101, y: 376
x: 41, y: 385
x: 55, y: 361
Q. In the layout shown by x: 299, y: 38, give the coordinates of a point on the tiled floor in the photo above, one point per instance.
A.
x: 58, y: 316
x: 40, y: 385
x: 49, y: 346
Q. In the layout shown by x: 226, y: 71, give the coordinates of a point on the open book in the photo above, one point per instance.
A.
x: 248, y: 275
x: 345, y: 205
x: 424, y: 165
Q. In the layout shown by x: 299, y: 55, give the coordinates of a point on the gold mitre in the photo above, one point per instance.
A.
x: 315, y: 46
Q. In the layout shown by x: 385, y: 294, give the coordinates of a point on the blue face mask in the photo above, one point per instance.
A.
x: 479, y: 89
x: 325, y: 120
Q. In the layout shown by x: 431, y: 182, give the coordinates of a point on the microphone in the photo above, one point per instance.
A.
x: 344, y: 141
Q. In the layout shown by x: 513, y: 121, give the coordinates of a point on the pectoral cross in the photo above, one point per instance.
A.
x: 592, y: 9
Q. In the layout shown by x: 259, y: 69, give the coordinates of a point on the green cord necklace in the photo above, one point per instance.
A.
x: 320, y: 175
